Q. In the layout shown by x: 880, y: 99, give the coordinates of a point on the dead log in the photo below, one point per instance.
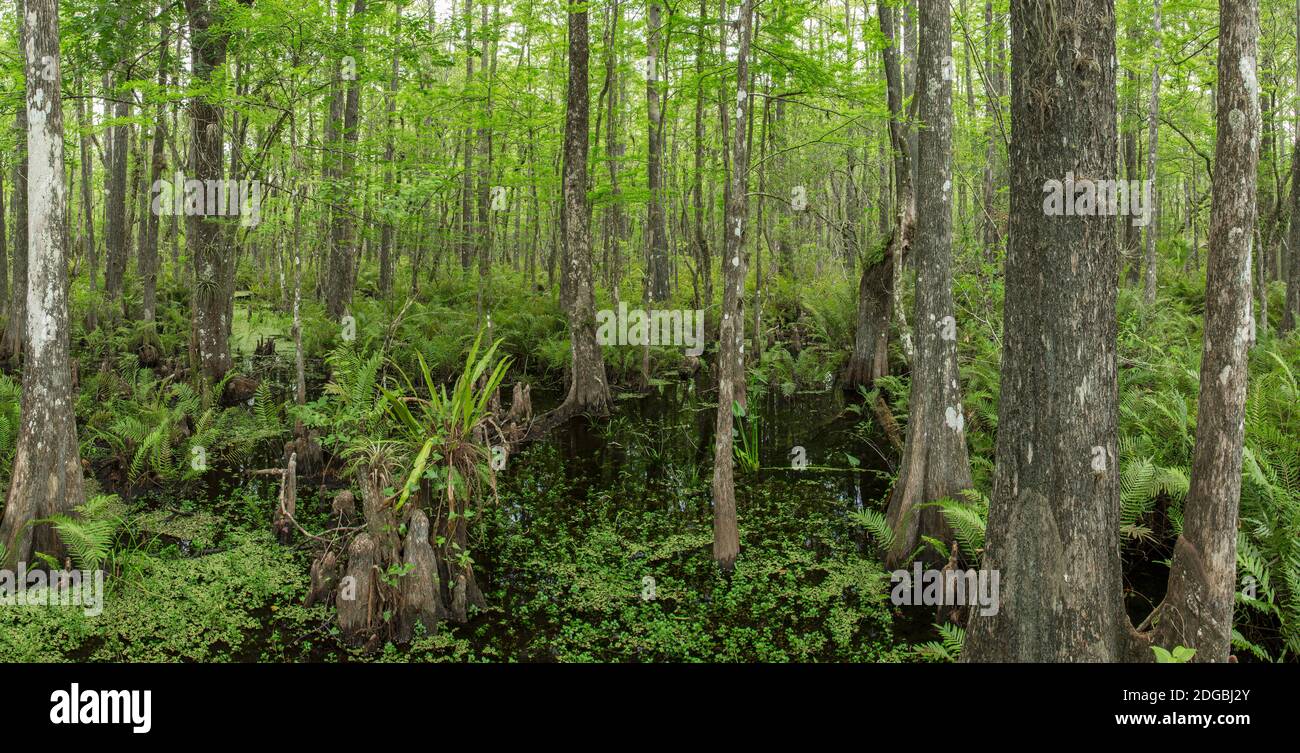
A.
x: 282, y: 521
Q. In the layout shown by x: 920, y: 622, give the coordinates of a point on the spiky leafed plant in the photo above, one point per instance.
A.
x: 446, y: 430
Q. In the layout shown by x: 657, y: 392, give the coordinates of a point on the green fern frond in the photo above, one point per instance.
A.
x: 952, y: 639
x: 876, y: 525
x: 89, y: 534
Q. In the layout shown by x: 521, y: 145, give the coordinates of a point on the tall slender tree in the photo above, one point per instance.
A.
x: 1197, y: 609
x: 11, y: 346
x: 342, y: 264
x: 656, y: 219
x: 1153, y: 149
x: 1291, y: 308
x: 870, y: 358
x: 206, y: 235
x: 147, y: 260
x: 588, y: 389
x: 935, y: 464
x: 47, y: 471
x: 731, y: 332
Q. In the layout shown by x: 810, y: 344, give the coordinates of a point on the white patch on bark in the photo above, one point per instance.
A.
x: 1248, y: 74
x: 947, y: 328
x: 45, y: 192
x: 953, y: 418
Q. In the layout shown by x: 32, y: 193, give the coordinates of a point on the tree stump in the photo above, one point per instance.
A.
x: 344, y: 507
x: 238, y: 390
x: 421, y: 588
x: 282, y: 521
x: 324, y: 578
x: 356, y: 594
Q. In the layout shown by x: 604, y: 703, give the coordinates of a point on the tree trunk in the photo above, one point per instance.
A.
x: 148, y: 258
x: 870, y: 358
x: 16, y: 321
x: 731, y: 332
x: 1153, y: 144
x: 88, y: 208
x: 386, y: 237
x: 214, y: 265
x: 1132, y: 233
x: 656, y: 222
x: 1197, y: 610
x: 4, y: 248
x: 46, y: 476
x: 1291, y: 309
x: 342, y: 270
x: 993, y: 79
x: 115, y: 212
x: 1053, y: 525
x: 935, y: 464
x: 703, y: 262
x: 588, y: 390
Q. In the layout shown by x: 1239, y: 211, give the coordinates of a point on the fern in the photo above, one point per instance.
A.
x: 875, y: 523
x: 1142, y: 483
x: 948, y: 648
x: 88, y: 535
x: 967, y: 519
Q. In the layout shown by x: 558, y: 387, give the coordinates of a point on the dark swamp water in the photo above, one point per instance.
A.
x: 598, y: 546
x: 598, y: 543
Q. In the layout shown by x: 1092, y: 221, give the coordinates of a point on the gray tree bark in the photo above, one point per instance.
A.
x: 1197, y: 609
x: 731, y: 331
x: 588, y: 389
x: 935, y: 464
x: 342, y: 265
x: 870, y: 358
x: 1053, y: 524
x: 214, y: 265
x: 1153, y: 144
x: 115, y: 230
x: 147, y: 261
x: 656, y: 220
x: 11, y: 347
x: 1291, y: 309
x: 47, y: 466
